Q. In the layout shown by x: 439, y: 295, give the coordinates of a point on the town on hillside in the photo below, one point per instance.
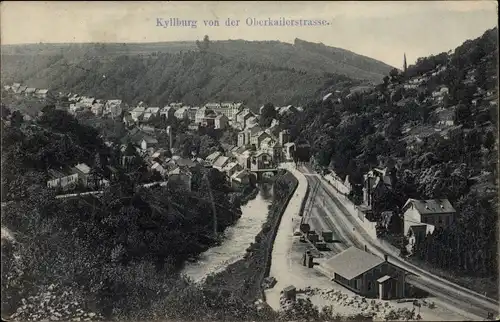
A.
x: 257, y: 152
x: 235, y: 180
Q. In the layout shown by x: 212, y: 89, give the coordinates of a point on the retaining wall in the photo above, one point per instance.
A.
x: 368, y: 226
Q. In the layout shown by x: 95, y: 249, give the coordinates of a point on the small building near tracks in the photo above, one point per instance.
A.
x: 366, y: 274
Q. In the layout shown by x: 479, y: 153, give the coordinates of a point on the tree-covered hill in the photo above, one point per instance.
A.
x: 301, y: 55
x: 234, y: 70
x: 192, y: 77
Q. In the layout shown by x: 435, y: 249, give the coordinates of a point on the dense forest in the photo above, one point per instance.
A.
x: 377, y: 128
x: 251, y: 72
x: 25, y: 61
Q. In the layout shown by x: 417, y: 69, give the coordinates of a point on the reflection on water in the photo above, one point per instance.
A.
x: 237, y: 238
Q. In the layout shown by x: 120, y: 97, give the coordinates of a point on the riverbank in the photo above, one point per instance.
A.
x: 248, y: 195
x: 235, y: 239
x: 244, y: 278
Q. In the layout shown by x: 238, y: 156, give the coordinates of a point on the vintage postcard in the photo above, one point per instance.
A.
x: 249, y: 161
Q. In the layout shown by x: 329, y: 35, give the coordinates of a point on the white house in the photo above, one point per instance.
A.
x: 148, y: 142
x: 158, y: 167
x: 137, y: 112
x: 220, y: 163
x: 154, y: 111
x: 258, y: 137
x: 240, y: 178
x: 114, y: 108
x: 289, y: 148
x: 181, y: 113
x: 168, y: 112
x: 180, y: 177
x: 201, y: 114
x: 42, y: 93
x: 97, y: 109
x: 231, y: 168
x: 436, y: 212
x: 221, y: 121
x: 212, y: 157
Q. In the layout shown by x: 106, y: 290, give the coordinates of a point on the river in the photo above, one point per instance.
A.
x: 236, y: 240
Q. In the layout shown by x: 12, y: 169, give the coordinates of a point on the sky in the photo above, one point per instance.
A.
x: 383, y: 30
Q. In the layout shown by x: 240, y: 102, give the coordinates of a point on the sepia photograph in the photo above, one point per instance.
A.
x: 249, y: 161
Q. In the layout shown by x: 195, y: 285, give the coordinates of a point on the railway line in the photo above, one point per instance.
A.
x: 333, y: 215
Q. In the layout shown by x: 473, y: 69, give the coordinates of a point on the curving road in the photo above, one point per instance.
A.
x: 338, y: 218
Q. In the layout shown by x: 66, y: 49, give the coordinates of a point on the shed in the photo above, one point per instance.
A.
x: 290, y: 293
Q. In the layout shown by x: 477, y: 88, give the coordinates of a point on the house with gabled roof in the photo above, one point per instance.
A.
x: 181, y: 113
x: 148, y: 142
x: 377, y: 180
x: 241, y: 117
x: 114, y: 108
x: 30, y: 91
x: 220, y: 162
x: 231, y: 168
x: 137, y: 112
x: 212, y: 157
x: 436, y: 212
x: 168, y: 112
x: 221, y: 121
x: 154, y: 111
x: 416, y: 235
x: 251, y: 122
x: 366, y: 274
x: 42, y: 93
x: 159, y: 168
x: 258, y: 137
x: 180, y: 177
x: 21, y: 89
x: 240, y: 178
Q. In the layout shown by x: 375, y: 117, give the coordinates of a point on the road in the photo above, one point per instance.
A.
x: 287, y: 250
x: 349, y: 230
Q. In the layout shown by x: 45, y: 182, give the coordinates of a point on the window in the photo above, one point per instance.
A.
x: 369, y: 286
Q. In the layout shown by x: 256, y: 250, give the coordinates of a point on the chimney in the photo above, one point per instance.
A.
x: 386, y: 257
x: 366, y: 248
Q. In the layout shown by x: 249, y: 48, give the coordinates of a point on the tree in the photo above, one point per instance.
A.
x: 203, y: 46
x: 489, y: 140
x: 268, y: 113
x: 393, y: 128
x: 395, y: 75
x: 463, y: 114
x: 16, y: 119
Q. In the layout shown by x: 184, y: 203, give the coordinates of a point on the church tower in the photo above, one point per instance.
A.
x: 405, y: 67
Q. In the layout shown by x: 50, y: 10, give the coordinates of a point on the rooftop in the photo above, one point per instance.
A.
x: 220, y: 162
x: 352, y: 262
x: 433, y: 206
x: 83, y: 168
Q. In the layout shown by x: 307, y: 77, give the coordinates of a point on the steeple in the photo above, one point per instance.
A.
x: 404, y: 64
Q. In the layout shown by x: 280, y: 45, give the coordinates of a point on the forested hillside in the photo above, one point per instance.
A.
x: 438, y: 125
x: 94, y: 247
x: 235, y: 70
x: 301, y: 55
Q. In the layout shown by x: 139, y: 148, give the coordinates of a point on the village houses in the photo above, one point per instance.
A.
x: 181, y: 113
x: 114, y: 108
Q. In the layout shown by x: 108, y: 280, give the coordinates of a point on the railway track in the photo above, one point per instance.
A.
x: 451, y: 293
